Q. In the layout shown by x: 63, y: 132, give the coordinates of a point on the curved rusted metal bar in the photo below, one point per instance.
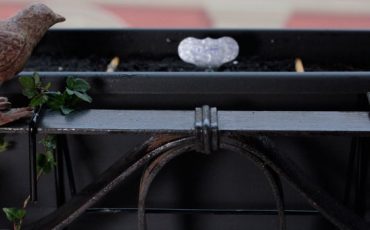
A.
x: 332, y: 210
x: 151, y: 172
x: 257, y: 147
x: 277, y: 190
x: 155, y: 167
x: 271, y: 175
x: 112, y: 177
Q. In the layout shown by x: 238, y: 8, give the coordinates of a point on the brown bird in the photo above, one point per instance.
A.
x: 18, y: 37
x: 20, y: 34
x: 10, y: 115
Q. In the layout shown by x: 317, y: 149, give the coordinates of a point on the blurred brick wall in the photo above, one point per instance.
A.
x: 207, y: 13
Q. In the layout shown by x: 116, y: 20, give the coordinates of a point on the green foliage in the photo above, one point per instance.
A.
x: 4, y: 145
x: 45, y: 161
x: 65, y: 102
x: 75, y: 92
x: 14, y: 214
x: 77, y: 85
x: 45, y: 164
x: 34, y: 90
x: 49, y: 142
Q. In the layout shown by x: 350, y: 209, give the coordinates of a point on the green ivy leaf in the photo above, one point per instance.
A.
x: 83, y: 96
x: 28, y: 85
x: 70, y: 82
x: 14, y: 214
x: 66, y: 110
x: 49, y: 142
x: 45, y: 162
x: 27, y: 82
x: 38, y: 100
x: 30, y: 93
x: 39, y: 94
x: 4, y: 145
x: 77, y: 84
x: 69, y: 91
x: 55, y: 101
x: 37, y: 80
x: 47, y: 86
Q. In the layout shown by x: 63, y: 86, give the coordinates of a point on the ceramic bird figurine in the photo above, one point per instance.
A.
x: 20, y: 34
x: 8, y: 115
x: 18, y: 37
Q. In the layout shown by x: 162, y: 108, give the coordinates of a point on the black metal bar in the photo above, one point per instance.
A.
x: 350, y: 171
x: 278, y: 192
x: 272, y: 212
x: 334, y: 211
x: 362, y: 170
x: 280, y: 163
x: 153, y: 169
x: 132, y: 84
x: 59, y: 173
x: 32, y: 141
x: 157, y: 165
x: 271, y: 176
x: 182, y: 122
x: 67, y: 157
x: 32, y: 164
x: 206, y: 128
x: 247, y: 122
x: 357, y: 172
x: 112, y: 177
x: 355, y: 190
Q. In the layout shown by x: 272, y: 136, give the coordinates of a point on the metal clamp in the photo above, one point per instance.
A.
x: 206, y: 127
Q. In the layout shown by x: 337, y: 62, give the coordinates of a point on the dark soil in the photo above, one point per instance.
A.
x: 174, y: 64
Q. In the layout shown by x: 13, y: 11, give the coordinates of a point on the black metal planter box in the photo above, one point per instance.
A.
x: 307, y: 133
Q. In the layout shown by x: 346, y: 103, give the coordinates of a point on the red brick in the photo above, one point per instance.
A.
x: 325, y: 20
x: 9, y: 9
x: 160, y: 17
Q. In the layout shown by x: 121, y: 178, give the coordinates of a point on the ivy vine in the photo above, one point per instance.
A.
x: 39, y: 93
x: 45, y: 164
x: 66, y: 102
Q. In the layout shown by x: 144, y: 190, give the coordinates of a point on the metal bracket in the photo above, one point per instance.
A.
x: 206, y: 127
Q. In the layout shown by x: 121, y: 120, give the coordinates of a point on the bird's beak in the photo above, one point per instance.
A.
x: 59, y: 18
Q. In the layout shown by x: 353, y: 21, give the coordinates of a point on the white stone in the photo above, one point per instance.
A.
x: 208, y: 52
